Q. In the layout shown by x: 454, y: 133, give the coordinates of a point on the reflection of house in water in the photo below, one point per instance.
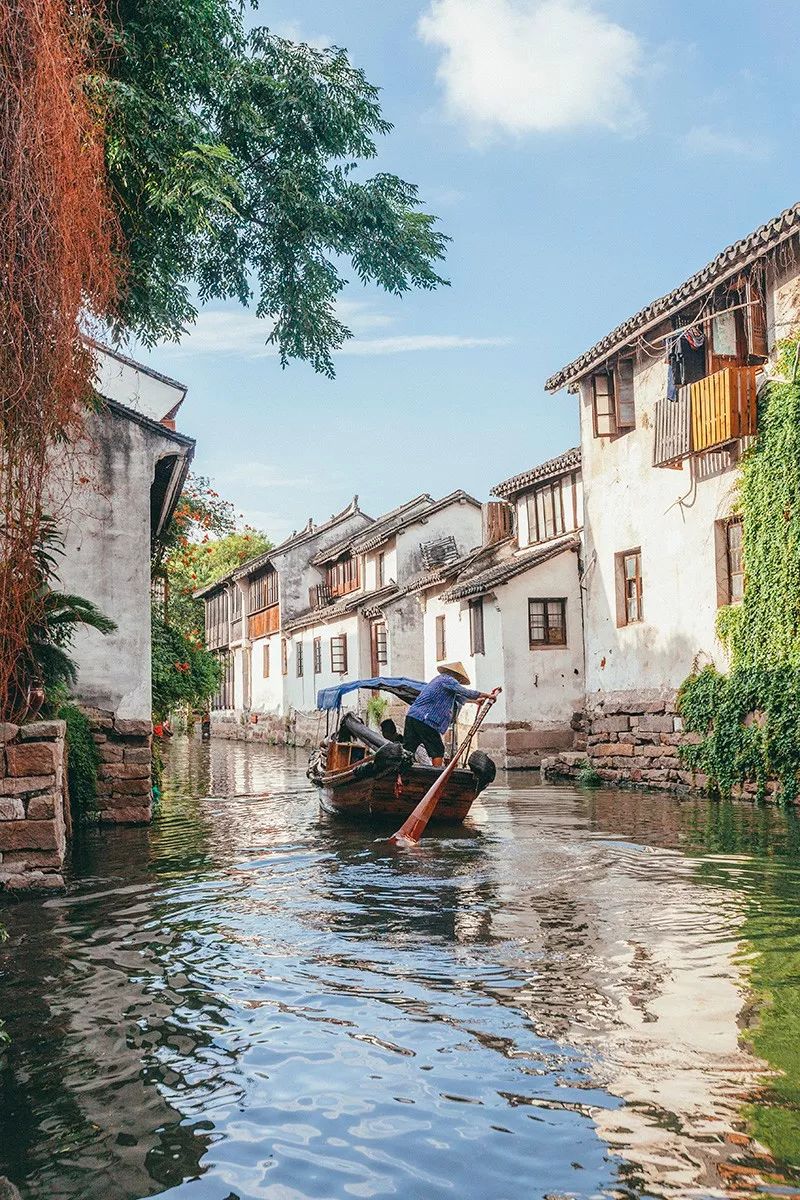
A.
x: 635, y: 963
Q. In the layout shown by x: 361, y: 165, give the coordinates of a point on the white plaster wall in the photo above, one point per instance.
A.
x: 485, y: 670
x: 135, y: 388
x: 542, y: 686
x: 462, y: 520
x: 266, y: 695
x: 629, y: 503
x: 404, y: 628
x: 107, y: 558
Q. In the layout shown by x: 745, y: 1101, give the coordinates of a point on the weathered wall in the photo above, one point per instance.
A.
x: 34, y: 810
x: 461, y: 520
x: 151, y: 394
x: 670, y: 514
x: 543, y: 687
x: 107, y: 560
x: 295, y: 570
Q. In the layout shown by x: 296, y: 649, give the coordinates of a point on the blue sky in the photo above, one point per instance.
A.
x: 584, y: 158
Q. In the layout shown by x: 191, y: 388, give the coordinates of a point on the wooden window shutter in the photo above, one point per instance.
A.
x: 605, y: 421
x: 626, y: 411
x: 756, y: 321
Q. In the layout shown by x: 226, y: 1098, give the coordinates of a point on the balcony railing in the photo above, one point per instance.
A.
x: 723, y: 407
x: 717, y: 410
x: 262, y: 623
x: 673, y: 430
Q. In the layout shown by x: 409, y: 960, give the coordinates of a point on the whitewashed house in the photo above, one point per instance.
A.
x: 667, y: 403
x: 115, y: 500
x: 245, y: 618
x: 329, y: 604
x: 511, y: 612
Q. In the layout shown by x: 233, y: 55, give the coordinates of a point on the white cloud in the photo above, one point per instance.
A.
x: 533, y: 66
x: 293, y: 32
x: 704, y: 141
x: 421, y: 341
x: 237, y: 331
x: 260, y: 475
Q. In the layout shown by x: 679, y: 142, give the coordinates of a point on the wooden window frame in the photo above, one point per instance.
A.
x: 565, y: 514
x: 298, y: 658
x: 317, y: 655
x: 557, y: 603
x: 380, y: 569
x: 726, y: 570
x: 339, y: 654
x: 344, y: 575
x: 441, y: 638
x: 264, y: 590
x: 477, y: 632
x: 617, y: 426
x: 284, y: 656
x: 265, y: 661
x: 622, y: 579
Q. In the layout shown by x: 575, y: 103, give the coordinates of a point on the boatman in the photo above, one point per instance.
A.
x: 436, y: 707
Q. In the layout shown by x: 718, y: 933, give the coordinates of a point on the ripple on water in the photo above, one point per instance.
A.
x: 251, y: 1000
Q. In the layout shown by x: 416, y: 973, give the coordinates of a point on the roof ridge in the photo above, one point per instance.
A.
x: 553, y: 466
x: 733, y: 258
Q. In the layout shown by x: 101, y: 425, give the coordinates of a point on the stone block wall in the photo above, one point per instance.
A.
x: 34, y: 806
x: 633, y: 739
x: 296, y: 729
x: 521, y: 746
x: 124, y: 785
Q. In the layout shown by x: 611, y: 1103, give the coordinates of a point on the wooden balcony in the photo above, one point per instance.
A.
x: 673, y: 440
x: 264, y: 622
x: 723, y: 407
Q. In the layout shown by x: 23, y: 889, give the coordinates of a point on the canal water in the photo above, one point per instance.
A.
x: 579, y: 994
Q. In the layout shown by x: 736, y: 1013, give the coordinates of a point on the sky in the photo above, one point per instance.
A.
x: 584, y: 158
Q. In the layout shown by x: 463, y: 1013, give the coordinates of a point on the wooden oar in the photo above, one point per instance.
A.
x: 414, y: 825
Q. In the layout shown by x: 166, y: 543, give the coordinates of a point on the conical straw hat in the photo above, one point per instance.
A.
x: 456, y: 669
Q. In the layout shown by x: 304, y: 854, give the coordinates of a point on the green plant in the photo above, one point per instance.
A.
x: 235, y: 159
x: 746, y: 724
x: 184, y: 675
x: 45, y: 659
x: 376, y: 710
x: 83, y: 763
x: 587, y: 777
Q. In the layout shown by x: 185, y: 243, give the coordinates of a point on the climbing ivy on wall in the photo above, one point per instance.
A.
x: 748, y: 721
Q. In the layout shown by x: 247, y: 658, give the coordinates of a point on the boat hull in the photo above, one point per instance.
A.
x: 384, y: 798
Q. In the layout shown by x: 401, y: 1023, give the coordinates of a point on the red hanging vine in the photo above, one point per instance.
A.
x: 57, y: 241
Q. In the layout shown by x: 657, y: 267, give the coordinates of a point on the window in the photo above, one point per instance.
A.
x: 343, y: 576
x: 284, y: 657
x: 379, y: 647
x: 380, y: 570
x: 612, y: 400
x: 476, y: 640
x: 730, y: 564
x: 317, y: 655
x: 223, y: 697
x: 339, y: 654
x: 217, y: 620
x: 263, y: 590
x: 441, y: 641
x: 265, y: 661
x: 547, y: 623
x: 553, y: 508
x: 629, y: 587
x: 298, y: 659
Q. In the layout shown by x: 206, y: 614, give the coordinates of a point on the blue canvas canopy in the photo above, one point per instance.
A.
x: 406, y: 689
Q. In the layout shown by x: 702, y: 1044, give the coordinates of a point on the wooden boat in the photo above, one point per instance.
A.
x: 363, y: 776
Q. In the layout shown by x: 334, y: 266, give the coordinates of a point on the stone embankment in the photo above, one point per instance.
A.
x: 124, y: 785
x: 34, y: 808
x: 633, y: 739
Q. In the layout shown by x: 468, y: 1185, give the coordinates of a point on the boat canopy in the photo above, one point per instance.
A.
x: 406, y: 689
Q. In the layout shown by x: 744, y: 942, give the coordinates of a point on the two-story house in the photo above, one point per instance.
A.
x: 245, y: 618
x: 667, y: 405
x: 363, y: 621
x: 511, y: 612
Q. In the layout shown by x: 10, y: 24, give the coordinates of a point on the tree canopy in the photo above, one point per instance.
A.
x: 235, y: 159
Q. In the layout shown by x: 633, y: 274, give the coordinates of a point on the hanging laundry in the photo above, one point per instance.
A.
x: 686, y: 357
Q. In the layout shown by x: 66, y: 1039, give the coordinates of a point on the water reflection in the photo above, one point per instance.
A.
x: 252, y: 1000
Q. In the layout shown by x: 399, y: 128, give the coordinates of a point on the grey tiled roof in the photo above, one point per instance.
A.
x: 500, y: 572
x: 568, y: 461
x: 747, y: 250
x: 320, y: 616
